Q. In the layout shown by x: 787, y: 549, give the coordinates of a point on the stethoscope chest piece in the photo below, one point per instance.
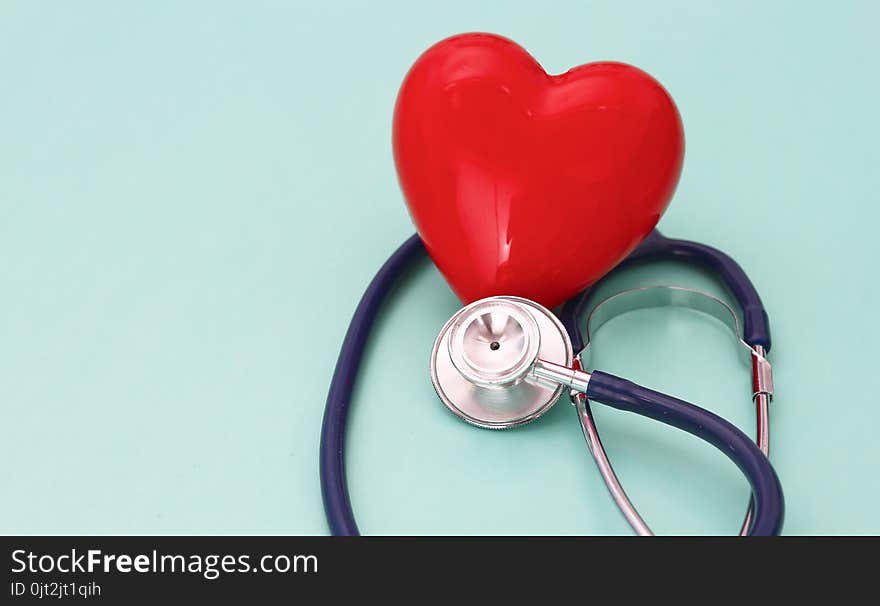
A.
x: 482, y: 360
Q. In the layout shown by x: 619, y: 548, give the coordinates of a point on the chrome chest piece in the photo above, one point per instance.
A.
x: 494, y: 362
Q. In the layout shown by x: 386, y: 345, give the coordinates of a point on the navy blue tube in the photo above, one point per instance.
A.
x: 657, y: 247
x: 334, y: 487
x: 769, y: 505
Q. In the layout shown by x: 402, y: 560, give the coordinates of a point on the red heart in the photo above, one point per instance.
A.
x: 523, y: 183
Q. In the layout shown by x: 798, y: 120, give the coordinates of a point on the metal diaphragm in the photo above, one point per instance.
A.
x: 482, y: 360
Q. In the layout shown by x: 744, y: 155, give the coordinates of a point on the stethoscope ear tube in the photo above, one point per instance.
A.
x: 754, y: 334
x: 769, y: 505
x: 657, y: 247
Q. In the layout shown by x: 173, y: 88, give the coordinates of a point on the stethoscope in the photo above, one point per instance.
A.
x: 504, y: 361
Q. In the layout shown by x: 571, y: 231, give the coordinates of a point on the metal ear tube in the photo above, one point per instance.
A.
x: 646, y: 297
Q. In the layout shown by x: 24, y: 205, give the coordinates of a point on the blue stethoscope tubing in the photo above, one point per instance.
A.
x: 768, y: 501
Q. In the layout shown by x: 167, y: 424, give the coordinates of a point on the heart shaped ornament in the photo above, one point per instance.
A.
x: 528, y: 184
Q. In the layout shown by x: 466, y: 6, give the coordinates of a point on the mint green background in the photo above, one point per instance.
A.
x: 194, y: 195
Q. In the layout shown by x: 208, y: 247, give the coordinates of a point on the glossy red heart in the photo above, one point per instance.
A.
x: 523, y: 183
